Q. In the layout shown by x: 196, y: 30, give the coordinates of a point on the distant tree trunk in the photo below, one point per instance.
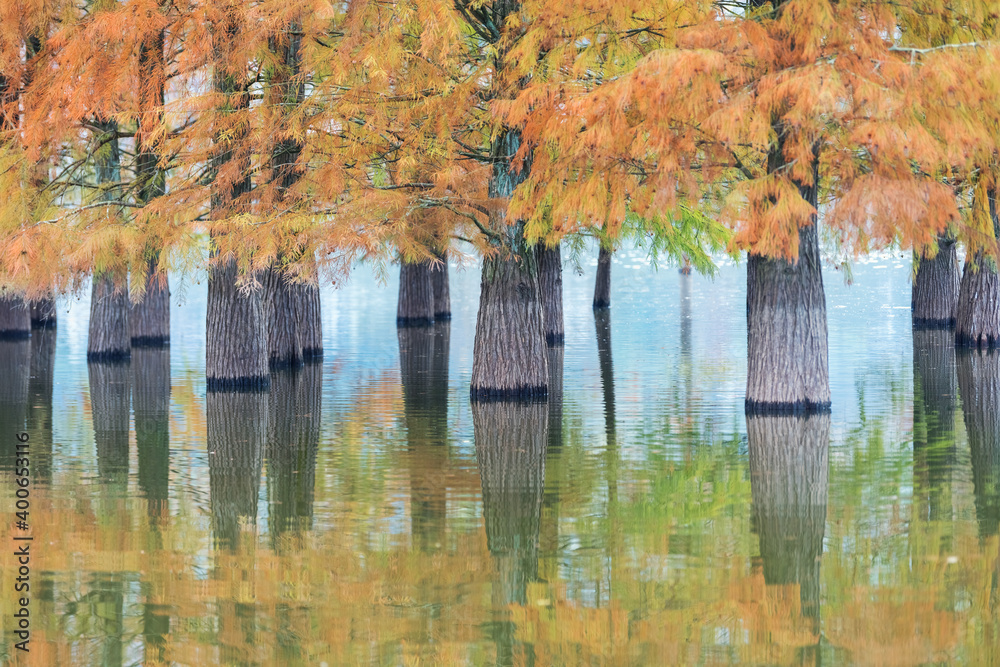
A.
x: 789, y: 482
x: 151, y: 406
x: 15, y: 322
x: 602, y: 284
x: 110, y: 400
x: 308, y: 316
x: 509, y: 356
x: 15, y: 362
x: 43, y: 313
x: 284, y: 347
x: 40, y: 388
x: 787, y: 367
x: 550, y: 286
x: 415, y: 307
x: 236, y: 352
x: 935, y: 288
x: 442, y: 292
x: 295, y: 410
x: 977, y: 319
x: 237, y: 433
x: 979, y: 387
x: 935, y: 391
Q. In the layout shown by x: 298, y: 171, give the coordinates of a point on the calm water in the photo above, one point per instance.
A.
x: 365, y: 513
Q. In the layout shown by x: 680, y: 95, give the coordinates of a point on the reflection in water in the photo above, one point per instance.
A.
x: 510, y: 448
x: 602, y: 320
x: 935, y: 392
x: 151, y: 404
x: 789, y: 486
x: 15, y: 359
x: 979, y: 385
x: 39, y: 421
x: 110, y: 396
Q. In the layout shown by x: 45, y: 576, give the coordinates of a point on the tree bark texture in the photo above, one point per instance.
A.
x: 415, y: 307
x: 15, y: 363
x: 15, y: 320
x: 977, y: 319
x: 602, y: 284
x: 294, y: 414
x: 442, y: 292
x: 109, y: 339
x: 550, y: 286
x: 149, y: 319
x: 935, y: 288
x: 789, y: 486
x: 979, y: 387
x: 236, y: 354
x: 935, y: 393
x: 151, y: 408
x: 110, y: 402
x: 43, y: 313
x: 284, y: 349
x: 237, y: 432
x: 307, y: 314
x: 423, y: 360
x: 40, y: 387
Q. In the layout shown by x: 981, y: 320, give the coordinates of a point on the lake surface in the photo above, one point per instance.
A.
x: 364, y: 512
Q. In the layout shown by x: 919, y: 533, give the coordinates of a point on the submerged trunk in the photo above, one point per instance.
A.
x: 43, y: 313
x: 550, y: 285
x: 415, y: 307
x: 15, y: 321
x: 284, y: 349
x: 602, y: 322
x: 305, y: 296
x: 935, y: 391
x: 236, y: 353
x: 555, y: 399
x: 151, y: 406
x: 109, y: 339
x: 979, y: 386
x: 149, y: 319
x: 442, y: 292
x: 935, y: 288
x: 40, y: 389
x: 15, y: 363
x: 602, y: 284
x: 789, y: 485
x: 977, y: 319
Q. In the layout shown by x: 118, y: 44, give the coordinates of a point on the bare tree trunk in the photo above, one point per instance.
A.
x: 442, y: 292
x: 151, y: 407
x: 308, y: 316
x: 43, y: 313
x: 935, y: 288
x: 415, y: 307
x: 789, y: 482
x: 602, y: 284
x: 935, y: 391
x: 979, y: 387
x: 550, y: 286
x: 237, y: 432
x: 284, y: 347
x: 110, y: 400
x: 149, y: 319
x: 15, y: 323
x: 977, y: 319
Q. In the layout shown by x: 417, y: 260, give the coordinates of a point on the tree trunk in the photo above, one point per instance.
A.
x: 789, y: 486
x: 40, y: 388
x: 236, y: 354
x: 295, y: 412
x: 935, y: 391
x: 15, y: 363
x: 550, y: 286
x: 307, y: 315
x: 977, y: 320
x: 935, y: 288
x: 602, y: 284
x: 43, y: 313
x: 979, y: 387
x: 415, y: 307
x: 109, y: 339
x: 151, y: 407
x: 237, y: 432
x: 110, y: 401
x: 442, y: 292
x: 15, y: 322
x: 284, y: 347
x: 149, y: 319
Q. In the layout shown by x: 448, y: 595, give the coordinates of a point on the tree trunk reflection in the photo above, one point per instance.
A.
x: 151, y: 404
x: 110, y: 401
x: 15, y: 361
x: 935, y: 390
x: 979, y: 386
x: 39, y: 418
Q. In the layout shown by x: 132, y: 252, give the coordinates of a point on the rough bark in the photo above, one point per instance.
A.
x: 307, y: 314
x: 602, y: 283
x: 295, y: 408
x: 423, y: 360
x: 550, y: 287
x: 602, y: 322
x: 415, y: 307
x: 149, y: 319
x: 237, y: 432
x: 151, y: 408
x: 284, y: 348
x: 110, y: 401
x: 510, y: 448
x: 15, y: 360
x: 977, y: 319
x: 934, y: 298
x: 442, y: 291
x: 40, y: 387
x: 15, y: 320
x: 789, y: 486
x: 935, y: 391
x: 979, y: 388
x: 43, y: 313
x: 109, y: 339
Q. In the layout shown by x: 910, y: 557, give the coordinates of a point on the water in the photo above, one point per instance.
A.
x: 365, y: 513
